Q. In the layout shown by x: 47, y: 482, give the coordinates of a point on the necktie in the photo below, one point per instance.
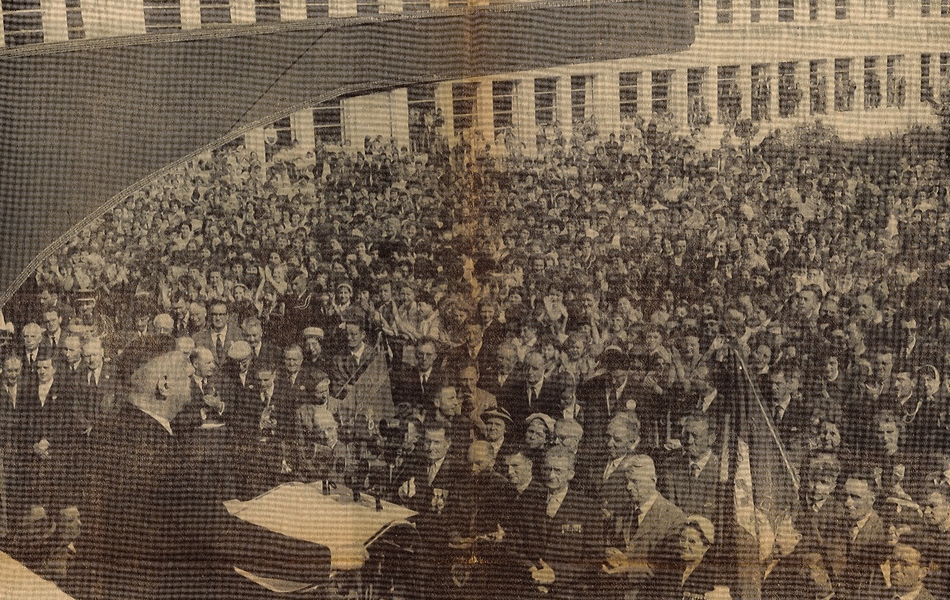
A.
x: 530, y: 396
x: 218, y: 346
x: 694, y: 470
x: 634, y: 521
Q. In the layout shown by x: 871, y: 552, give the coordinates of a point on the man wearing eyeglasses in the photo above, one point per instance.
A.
x: 220, y: 332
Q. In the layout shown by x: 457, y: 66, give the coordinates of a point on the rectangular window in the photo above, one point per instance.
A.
x: 503, y: 105
x: 789, y: 94
x: 162, y: 15
x: 661, y: 81
x: 944, y: 8
x: 891, y: 9
x: 545, y: 97
x: 926, y: 85
x: 318, y: 9
x: 581, y: 90
x: 812, y: 10
x: 215, y: 12
x: 844, y: 87
x: 841, y: 10
x: 896, y: 83
x: 761, y: 99
x: 328, y: 122
x: 872, y: 83
x: 464, y: 96
x: 628, y: 96
x: 728, y: 95
x: 279, y: 139
x: 424, y: 120
x: 697, y: 115
x: 723, y: 11
x: 367, y: 7
x: 74, y: 24
x: 817, y: 88
x: 267, y: 11
x: 755, y: 11
x: 924, y: 8
x: 411, y: 6
x: 694, y: 9
x: 786, y: 11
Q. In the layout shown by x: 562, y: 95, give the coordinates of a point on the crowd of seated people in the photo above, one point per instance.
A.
x: 552, y: 327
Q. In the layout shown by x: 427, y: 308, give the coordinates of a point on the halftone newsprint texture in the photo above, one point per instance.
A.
x: 436, y: 299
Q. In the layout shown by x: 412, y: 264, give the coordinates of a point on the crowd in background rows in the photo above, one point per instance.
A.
x: 607, y: 275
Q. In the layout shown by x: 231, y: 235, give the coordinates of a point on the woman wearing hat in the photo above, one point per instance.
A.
x: 688, y: 573
x: 538, y: 437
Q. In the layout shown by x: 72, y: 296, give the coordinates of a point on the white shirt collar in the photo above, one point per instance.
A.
x: 703, y: 460
x: 646, y: 506
x: 161, y: 420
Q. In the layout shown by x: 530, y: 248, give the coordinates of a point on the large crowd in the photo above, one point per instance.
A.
x: 552, y: 326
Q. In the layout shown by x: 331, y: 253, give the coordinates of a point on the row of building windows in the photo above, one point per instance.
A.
x: 788, y: 12
x: 327, y: 129
x: 23, y: 23
x: 815, y: 87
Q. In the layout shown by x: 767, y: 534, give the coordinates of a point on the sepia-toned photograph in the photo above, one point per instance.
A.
x: 475, y: 299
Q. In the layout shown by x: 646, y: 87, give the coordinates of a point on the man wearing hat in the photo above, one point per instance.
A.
x: 313, y: 357
x: 605, y: 395
x: 497, y: 421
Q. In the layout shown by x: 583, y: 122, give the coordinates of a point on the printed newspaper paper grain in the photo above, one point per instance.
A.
x: 94, y: 122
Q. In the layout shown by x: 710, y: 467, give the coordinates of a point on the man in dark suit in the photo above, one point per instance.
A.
x: 32, y: 340
x: 54, y: 334
x: 474, y: 525
x: 470, y: 352
x: 418, y: 384
x: 570, y: 540
x: 820, y: 515
x: 350, y: 363
x: 43, y: 433
x: 858, y: 567
x: 605, y: 395
x: 14, y: 410
x: 220, y: 333
x: 935, y: 503
x: 525, y: 501
x: 605, y: 482
x: 99, y: 386
x: 429, y: 489
x: 136, y: 535
x: 262, y: 351
x: 689, y: 478
x: 637, y: 536
x: 530, y: 393
x: 501, y: 371
x: 201, y: 425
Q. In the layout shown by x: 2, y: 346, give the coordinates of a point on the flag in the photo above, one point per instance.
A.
x: 758, y: 487
x: 372, y: 393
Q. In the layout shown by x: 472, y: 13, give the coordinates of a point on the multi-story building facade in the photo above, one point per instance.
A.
x: 865, y: 67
